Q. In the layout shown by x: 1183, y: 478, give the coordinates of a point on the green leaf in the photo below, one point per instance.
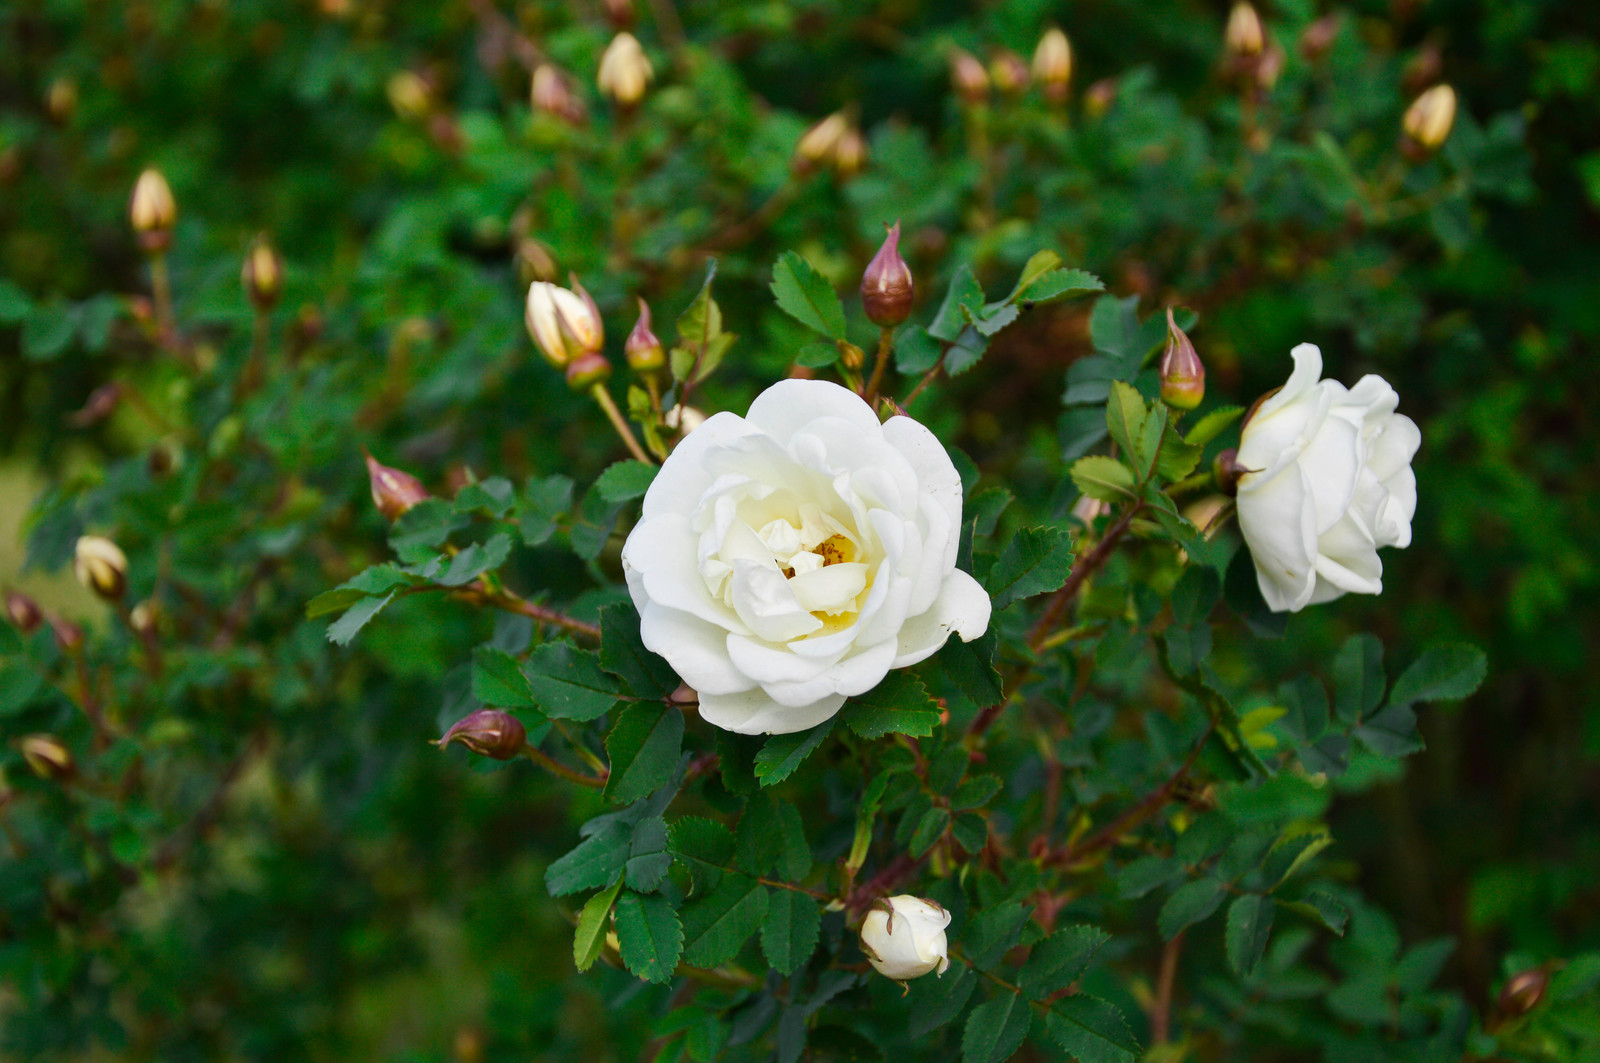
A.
x: 1060, y: 959
x: 424, y: 528
x: 995, y: 318
x: 493, y: 497
x: 790, y: 930
x: 994, y: 931
x: 984, y: 510
x: 975, y: 792
x: 48, y: 331
x: 1091, y: 1030
x: 970, y: 666
x: 1290, y: 853
x: 590, y: 938
x: 1035, y: 561
x: 374, y: 581
x: 1307, y: 703
x: 1038, y: 264
x: 1392, y: 732
x: 542, y: 503
x: 1058, y: 283
x: 476, y: 559
x: 1249, y: 929
x: 699, y: 326
x: 649, y: 857
x: 593, y: 524
x: 772, y: 840
x: 704, y: 847
x: 1322, y: 908
x: 569, y: 683
x: 1577, y: 978
x: 996, y: 1029
x: 1125, y: 417
x: 898, y: 705
x: 1103, y: 478
x: 805, y: 295
x: 718, y: 925
x: 1145, y: 874
x: 961, y: 303
x: 625, y: 480
x: 915, y: 351
x: 14, y: 303
x: 1189, y: 904
x: 649, y: 936
x: 497, y: 680
x: 1212, y: 425
x: 817, y: 355
x: 1175, y: 458
x: 1358, y: 679
x: 937, y: 1000
x: 783, y: 753
x: 1443, y: 673
x: 596, y: 861
x: 929, y: 829
x: 622, y: 653
x: 342, y: 630
x: 643, y: 748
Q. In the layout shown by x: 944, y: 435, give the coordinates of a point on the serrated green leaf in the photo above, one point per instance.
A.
x: 623, y: 654
x: 1358, y: 678
x: 938, y: 1000
x: 996, y: 1029
x: 1125, y: 417
x: 1249, y: 929
x: 1061, y: 282
x: 48, y: 331
x: 371, y: 582
x: 962, y: 301
x: 623, y: 481
x: 994, y: 318
x: 649, y: 936
x: 643, y: 749
x: 1290, y: 854
x: 699, y: 326
x: 1104, y: 478
x: 1035, y: 561
x: 970, y: 665
x: 493, y: 497
x: 1175, y: 458
x: 772, y: 840
x: 1577, y: 978
x: 424, y: 527
x: 1060, y: 959
x: 817, y: 355
x: 985, y: 510
x: 1443, y: 673
x: 649, y: 856
x: 1039, y: 263
x: 1212, y: 425
x: 540, y: 505
x: 704, y: 847
x: 1091, y: 1030
x: 790, y: 930
x: 994, y: 931
x: 1189, y: 904
x: 568, y: 683
x: 782, y: 754
x: 474, y: 560
x: 497, y: 680
x: 596, y: 861
x: 590, y: 937
x: 975, y: 792
x: 898, y: 705
x: 593, y: 524
x: 930, y: 828
x: 1391, y: 732
x: 915, y: 351
x: 342, y: 630
x: 1145, y: 874
x: 716, y: 927
x: 805, y: 295
x: 1322, y: 908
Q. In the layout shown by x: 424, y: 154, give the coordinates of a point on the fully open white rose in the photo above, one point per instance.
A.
x: 1331, y: 483
x: 788, y: 559
x: 905, y: 938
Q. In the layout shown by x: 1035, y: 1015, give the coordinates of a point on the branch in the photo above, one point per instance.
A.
x: 1087, y: 565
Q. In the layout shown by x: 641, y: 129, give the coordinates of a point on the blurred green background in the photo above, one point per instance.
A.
x: 316, y: 882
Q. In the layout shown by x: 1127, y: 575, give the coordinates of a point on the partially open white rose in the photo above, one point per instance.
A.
x: 788, y: 559
x: 1331, y: 482
x: 904, y: 938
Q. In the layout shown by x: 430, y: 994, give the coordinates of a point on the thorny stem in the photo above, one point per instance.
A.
x: 1086, y: 567
x: 885, y: 345
x: 927, y: 378
x: 620, y: 423
x: 512, y: 603
x: 551, y: 764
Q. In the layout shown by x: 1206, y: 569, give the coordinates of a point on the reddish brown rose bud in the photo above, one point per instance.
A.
x: 102, y: 403
x: 1316, y: 40
x: 886, y: 286
x: 1052, y: 64
x: 393, y: 491
x: 23, y: 612
x: 262, y: 275
x: 488, y: 732
x: 643, y: 349
x: 968, y: 77
x: 1183, y: 375
x: 1522, y: 992
x: 153, y: 211
x: 101, y: 566
x: 69, y: 636
x: 47, y: 755
x: 588, y: 370
x: 619, y: 13
x: 1008, y: 71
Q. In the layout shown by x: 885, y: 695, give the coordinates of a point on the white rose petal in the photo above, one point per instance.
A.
x: 1330, y: 483
x: 905, y: 938
x: 786, y: 560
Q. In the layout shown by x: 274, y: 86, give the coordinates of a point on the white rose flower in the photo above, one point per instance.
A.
x: 1331, y: 482
x: 788, y: 559
x: 906, y: 940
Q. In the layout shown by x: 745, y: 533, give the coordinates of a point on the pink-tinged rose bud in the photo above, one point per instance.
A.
x: 1316, y: 40
x: 1522, y: 992
x: 1052, y: 64
x: 23, y: 612
x: 886, y: 286
x: 818, y: 144
x: 1244, y: 38
x: 47, y: 755
x: 968, y: 77
x: 552, y: 94
x: 488, y: 732
x: 1098, y: 97
x: 102, y: 403
x: 262, y: 275
x: 153, y: 211
x: 1183, y: 375
x: 904, y: 938
x: 69, y: 636
x: 625, y: 71
x: 1008, y: 71
x: 1428, y: 121
x: 643, y: 349
x: 535, y: 262
x: 1087, y: 510
x: 1269, y: 66
x: 393, y: 491
x: 563, y: 323
x: 588, y: 370
x: 101, y: 566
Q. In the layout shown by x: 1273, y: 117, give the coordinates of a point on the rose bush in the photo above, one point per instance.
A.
x: 1328, y: 482
x: 788, y: 559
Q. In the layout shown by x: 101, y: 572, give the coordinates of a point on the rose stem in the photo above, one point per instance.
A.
x: 609, y: 405
x: 885, y: 344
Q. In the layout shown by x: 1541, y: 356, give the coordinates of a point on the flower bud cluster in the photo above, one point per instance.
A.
x: 564, y: 323
x: 834, y: 142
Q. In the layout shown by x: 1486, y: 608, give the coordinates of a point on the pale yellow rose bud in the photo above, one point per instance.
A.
x: 1052, y: 64
x: 47, y: 755
x: 850, y: 154
x: 625, y: 71
x: 564, y: 324
x: 1428, y: 120
x: 153, y: 211
x: 101, y: 566
x: 819, y: 143
x: 904, y: 938
x: 410, y: 95
x: 684, y: 419
x: 61, y: 100
x: 262, y: 275
x: 1244, y: 36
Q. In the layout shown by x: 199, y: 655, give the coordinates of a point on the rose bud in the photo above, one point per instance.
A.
x: 142, y: 618
x: 904, y: 938
x: 102, y: 403
x: 393, y: 491
x: 1052, y: 64
x: 1226, y: 470
x: 968, y: 77
x: 1316, y: 41
x: 552, y: 95
x: 23, y: 612
x: 69, y: 636
x: 1244, y: 38
x: 1522, y: 992
x: 61, y: 100
x: 850, y: 154
x: 643, y: 349
x: 489, y: 732
x: 1423, y: 69
x: 1098, y: 98
x: 1183, y: 375
x: 625, y: 71
x: 588, y: 371
x: 619, y: 13
x: 684, y: 419
x: 410, y: 95
x: 564, y: 324
x: 101, y: 566
x: 886, y: 286
x: 153, y: 211
x: 535, y: 262
x: 1327, y: 482
x: 819, y: 143
x: 1270, y: 66
x: 1427, y: 122
x: 47, y: 755
x: 262, y: 275
x: 1008, y: 71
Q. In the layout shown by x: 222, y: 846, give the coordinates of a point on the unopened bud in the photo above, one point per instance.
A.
x: 489, y: 732
x: 1087, y: 509
x: 642, y: 348
x: 47, y: 755
x: 535, y: 262
x: 1269, y: 66
x: 818, y: 144
x: 1226, y: 471
x: 102, y: 403
x: 262, y: 275
x: 1008, y: 71
x: 1523, y: 992
x: 153, y: 211
x: 564, y: 324
x: 1316, y: 40
x: 1428, y: 121
x: 850, y: 154
x: 142, y: 618
x: 968, y: 77
x: 1098, y: 98
x: 619, y: 13
x: 625, y: 71
x: 553, y: 95
x: 410, y: 95
x: 1423, y: 69
x: 886, y: 286
x: 904, y: 937
x: 587, y: 370
x: 1244, y: 37
x: 61, y: 100
x: 1052, y: 64
x: 23, y: 612
x: 851, y: 356
x: 393, y: 491
x: 1183, y: 375
x: 101, y: 566
x: 684, y: 419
